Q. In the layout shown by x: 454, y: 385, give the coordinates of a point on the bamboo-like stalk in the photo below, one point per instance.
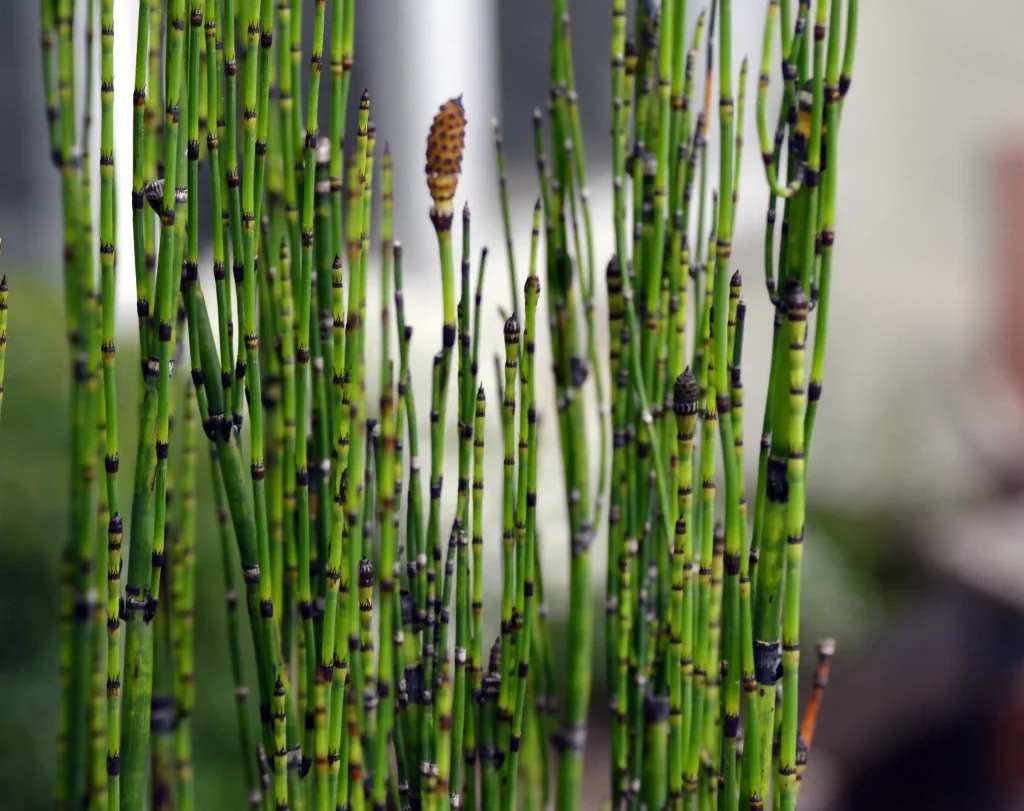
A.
x: 473, y: 729
x: 146, y: 561
x: 138, y: 178
x: 111, y: 458
x: 303, y: 280
x: 241, y: 691
x: 184, y: 608
x: 445, y: 145
x: 499, y: 152
x: 183, y: 584
x: 466, y: 387
x: 528, y: 512
x: 98, y: 792
x: 232, y: 198
x: 261, y: 578
x: 686, y: 401
x: 796, y: 309
x: 512, y: 336
x: 835, y: 87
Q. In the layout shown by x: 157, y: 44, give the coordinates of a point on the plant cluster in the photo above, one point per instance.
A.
x: 374, y: 683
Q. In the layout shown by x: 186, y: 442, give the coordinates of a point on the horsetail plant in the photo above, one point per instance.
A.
x: 369, y: 637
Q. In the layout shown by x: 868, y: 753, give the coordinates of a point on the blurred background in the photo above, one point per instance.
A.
x: 915, y: 554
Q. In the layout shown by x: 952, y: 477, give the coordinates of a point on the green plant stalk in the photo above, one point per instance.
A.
x: 139, y: 212
x: 415, y: 553
x: 229, y: 457
x: 796, y: 306
x: 618, y: 615
x: 621, y: 545
x: 466, y: 388
x: 273, y: 666
x: 686, y: 401
x: 733, y: 530
x: 506, y: 219
x: 462, y: 632
x: 440, y: 766
x: 386, y: 496
x: 529, y: 502
x: 510, y: 663
x: 321, y: 305
x: 532, y: 753
x: 616, y: 521
x: 751, y: 730
x: 73, y: 762
x: 772, y: 491
x: 365, y: 637
x: 830, y: 154
x: 703, y: 661
x: 354, y: 494
x: 232, y: 193
x: 214, y: 64
x: 368, y: 672
x: 341, y: 620
x: 286, y: 322
x: 771, y: 568
x: 659, y: 491
x: 98, y: 792
x: 473, y: 732
x: 342, y: 32
x: 302, y: 340
x: 295, y: 55
x: 545, y: 702
x: 402, y: 729
x: 645, y: 30
x: 620, y: 126
x: 849, y: 50
x: 266, y: 42
x: 568, y: 385
x: 586, y: 282
x: 702, y: 343
x: 441, y: 219
x: 146, y: 562
x: 653, y: 258
x: 47, y: 12
x: 769, y: 154
x: 287, y: 79
x: 153, y: 135
x: 166, y: 624
x: 67, y: 598
x: 489, y: 784
x: 426, y: 695
x: 111, y: 460
x: 138, y: 644
x: 709, y: 77
x: 509, y: 523
x: 183, y: 607
x: 269, y: 298
x: 161, y: 754
x: 241, y: 692
x: 717, y: 671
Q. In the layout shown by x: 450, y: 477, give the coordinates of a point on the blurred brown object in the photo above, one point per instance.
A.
x: 1008, y: 207
x: 1008, y: 739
